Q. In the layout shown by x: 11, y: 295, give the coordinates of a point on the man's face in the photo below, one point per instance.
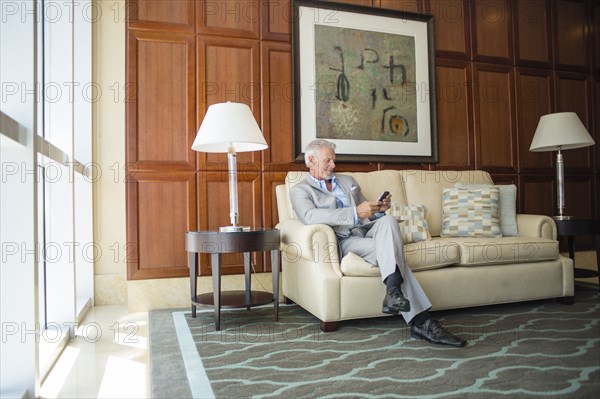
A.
x: 322, y: 165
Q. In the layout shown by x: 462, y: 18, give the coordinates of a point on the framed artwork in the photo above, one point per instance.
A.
x: 365, y: 80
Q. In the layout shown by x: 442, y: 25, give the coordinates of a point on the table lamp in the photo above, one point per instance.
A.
x: 229, y: 128
x: 557, y: 132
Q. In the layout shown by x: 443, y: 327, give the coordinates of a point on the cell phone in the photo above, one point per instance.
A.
x: 383, y: 195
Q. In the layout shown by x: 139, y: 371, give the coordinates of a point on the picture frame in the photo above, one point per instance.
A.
x: 364, y: 78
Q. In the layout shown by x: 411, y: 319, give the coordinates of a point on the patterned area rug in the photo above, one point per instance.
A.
x: 524, y: 350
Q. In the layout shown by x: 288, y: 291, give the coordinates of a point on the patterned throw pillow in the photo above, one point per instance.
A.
x: 413, y: 225
x: 507, y: 206
x: 470, y: 212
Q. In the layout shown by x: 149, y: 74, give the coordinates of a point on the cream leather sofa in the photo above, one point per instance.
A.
x: 454, y: 272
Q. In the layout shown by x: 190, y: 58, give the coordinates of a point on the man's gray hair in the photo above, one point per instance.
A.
x: 314, y: 148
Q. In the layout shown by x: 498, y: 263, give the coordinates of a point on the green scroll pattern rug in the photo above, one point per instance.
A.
x: 525, y: 350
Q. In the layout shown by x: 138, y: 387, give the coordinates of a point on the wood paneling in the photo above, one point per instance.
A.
x: 402, y: 5
x: 454, y: 114
x: 532, y: 37
x: 492, y: 32
x: 494, y: 118
x: 276, y: 20
x: 452, y: 29
x: 160, y: 125
x: 228, y: 70
x: 596, y: 35
x: 572, y: 51
x: 161, y: 207
x: 174, y: 15
x: 538, y: 195
x: 240, y: 18
x: 368, y: 3
x: 500, y: 65
x: 277, y: 103
x: 534, y: 99
x: 579, y: 196
x: 573, y: 93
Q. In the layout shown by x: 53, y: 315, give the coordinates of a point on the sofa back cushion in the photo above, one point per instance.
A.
x: 424, y: 187
x: 374, y: 183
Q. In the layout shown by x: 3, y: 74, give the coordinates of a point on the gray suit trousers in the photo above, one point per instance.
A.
x: 381, y: 245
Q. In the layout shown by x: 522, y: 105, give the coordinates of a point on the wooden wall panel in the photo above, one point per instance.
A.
x: 454, y: 114
x: 277, y: 103
x: 579, y: 196
x: 534, y: 99
x: 367, y: 3
x: 452, y: 29
x: 160, y: 123
x: 174, y: 15
x: 596, y: 36
x: 400, y: 5
x: 538, y: 195
x: 240, y: 18
x: 533, y: 39
x: 500, y: 65
x: 492, y: 33
x: 572, y: 50
x: 276, y: 20
x: 161, y: 209
x: 228, y: 70
x: 573, y: 93
x: 595, y: 132
x: 494, y: 118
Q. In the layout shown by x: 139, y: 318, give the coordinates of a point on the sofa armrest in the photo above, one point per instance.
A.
x: 315, y: 242
x: 541, y: 226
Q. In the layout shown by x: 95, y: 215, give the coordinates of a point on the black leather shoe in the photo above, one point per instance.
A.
x: 394, y: 302
x: 433, y: 332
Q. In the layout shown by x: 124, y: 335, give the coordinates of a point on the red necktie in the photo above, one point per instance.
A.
x: 328, y: 185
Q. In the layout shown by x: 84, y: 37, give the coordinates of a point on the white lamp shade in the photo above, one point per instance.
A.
x: 228, y: 125
x: 562, y: 130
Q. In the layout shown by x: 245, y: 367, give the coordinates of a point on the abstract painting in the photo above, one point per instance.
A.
x: 364, y: 80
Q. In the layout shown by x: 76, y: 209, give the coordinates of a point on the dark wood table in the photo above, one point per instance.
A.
x: 581, y: 227
x: 217, y: 243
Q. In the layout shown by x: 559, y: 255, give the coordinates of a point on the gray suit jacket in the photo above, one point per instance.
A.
x: 314, y: 205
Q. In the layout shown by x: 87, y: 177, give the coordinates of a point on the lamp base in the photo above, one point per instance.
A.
x: 562, y: 217
x: 233, y: 229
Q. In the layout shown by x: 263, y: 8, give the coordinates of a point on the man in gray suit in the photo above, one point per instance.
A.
x: 362, y: 227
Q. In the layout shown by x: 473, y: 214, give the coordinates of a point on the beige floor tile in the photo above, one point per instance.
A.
x: 108, y: 358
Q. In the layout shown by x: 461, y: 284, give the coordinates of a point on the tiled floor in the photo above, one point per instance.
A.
x: 108, y: 358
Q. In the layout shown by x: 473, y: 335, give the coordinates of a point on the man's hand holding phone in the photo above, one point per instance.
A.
x: 369, y: 208
x: 385, y: 200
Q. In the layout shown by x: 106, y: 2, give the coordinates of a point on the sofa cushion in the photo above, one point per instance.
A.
x: 372, y: 184
x: 425, y: 187
x: 431, y: 254
x: 413, y: 224
x: 507, y: 206
x: 423, y: 255
x: 470, y: 212
x: 504, y: 250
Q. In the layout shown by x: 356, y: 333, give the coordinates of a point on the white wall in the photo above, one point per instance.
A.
x: 109, y: 152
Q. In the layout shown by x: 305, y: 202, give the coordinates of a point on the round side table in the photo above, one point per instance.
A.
x: 217, y: 243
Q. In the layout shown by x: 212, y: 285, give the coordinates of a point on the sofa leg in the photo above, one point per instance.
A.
x: 328, y: 326
x: 566, y: 300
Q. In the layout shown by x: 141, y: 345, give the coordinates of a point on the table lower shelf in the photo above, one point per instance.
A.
x: 235, y: 299
x: 584, y: 273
